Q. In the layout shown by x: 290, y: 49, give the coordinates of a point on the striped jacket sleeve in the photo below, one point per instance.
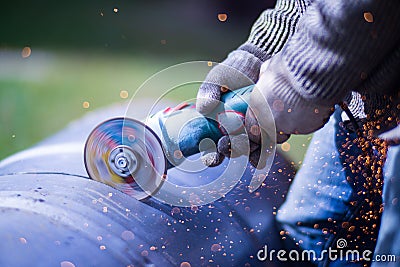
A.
x: 274, y: 27
x: 339, y: 46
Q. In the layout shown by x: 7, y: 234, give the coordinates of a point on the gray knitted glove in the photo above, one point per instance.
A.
x: 241, y: 68
x: 238, y: 70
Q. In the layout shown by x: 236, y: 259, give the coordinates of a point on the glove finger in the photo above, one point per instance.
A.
x: 208, y: 97
x: 240, y: 69
x: 252, y: 127
x: 212, y: 159
x: 234, y: 146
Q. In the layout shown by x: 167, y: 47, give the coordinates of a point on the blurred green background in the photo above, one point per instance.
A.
x: 55, y: 56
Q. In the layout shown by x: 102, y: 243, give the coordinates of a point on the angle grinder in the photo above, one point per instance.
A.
x: 134, y: 156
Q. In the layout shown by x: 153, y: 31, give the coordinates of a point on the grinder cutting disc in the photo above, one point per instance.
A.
x: 127, y: 155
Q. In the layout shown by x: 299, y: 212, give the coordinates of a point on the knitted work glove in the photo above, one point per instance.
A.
x: 240, y: 69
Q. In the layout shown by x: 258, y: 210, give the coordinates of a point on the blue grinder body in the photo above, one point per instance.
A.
x: 182, y: 129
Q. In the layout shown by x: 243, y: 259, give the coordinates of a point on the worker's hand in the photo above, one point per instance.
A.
x: 274, y: 106
x: 239, y: 69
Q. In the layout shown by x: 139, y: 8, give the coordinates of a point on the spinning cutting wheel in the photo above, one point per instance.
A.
x: 127, y: 155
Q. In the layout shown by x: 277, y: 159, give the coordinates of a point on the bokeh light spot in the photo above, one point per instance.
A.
x: 368, y: 17
x: 67, y: 264
x: 278, y: 105
x: 285, y: 146
x: 178, y: 154
x: 222, y: 17
x: 216, y: 247
x: 185, y: 264
x: 26, y: 52
x: 123, y: 94
x: 127, y: 235
x: 85, y: 104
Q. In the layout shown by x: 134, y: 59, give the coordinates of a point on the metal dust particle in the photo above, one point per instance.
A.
x: 85, y: 104
x: 216, y: 248
x: 163, y: 42
x: 209, y: 63
x: 23, y: 240
x: 185, y: 264
x: 105, y: 209
x: 67, y: 264
x: 26, y: 52
x: 152, y: 248
x: 222, y: 17
x: 115, y: 10
x: 99, y: 238
x: 102, y: 247
x: 285, y: 146
x: 368, y: 17
x: 123, y: 94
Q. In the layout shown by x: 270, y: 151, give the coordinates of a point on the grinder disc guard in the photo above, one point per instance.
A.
x: 127, y: 155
